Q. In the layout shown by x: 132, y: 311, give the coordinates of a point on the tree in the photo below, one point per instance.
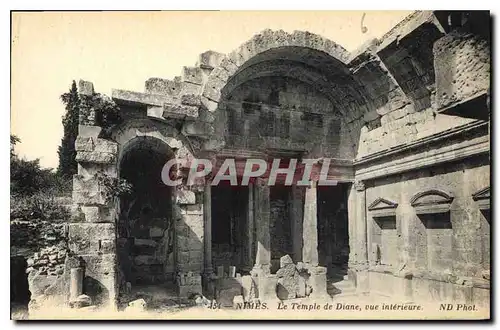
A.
x: 26, y: 176
x: 67, y: 153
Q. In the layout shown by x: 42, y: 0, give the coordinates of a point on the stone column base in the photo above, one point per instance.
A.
x: 317, y: 281
x: 265, y: 282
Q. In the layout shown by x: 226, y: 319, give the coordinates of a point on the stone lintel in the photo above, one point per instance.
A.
x: 144, y: 99
x: 406, y: 27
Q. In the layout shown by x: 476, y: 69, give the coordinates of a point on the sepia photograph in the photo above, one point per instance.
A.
x: 250, y: 165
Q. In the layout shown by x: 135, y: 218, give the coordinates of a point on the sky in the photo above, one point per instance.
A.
x: 121, y: 50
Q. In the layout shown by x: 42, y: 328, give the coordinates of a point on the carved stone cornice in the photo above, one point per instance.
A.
x: 420, y: 154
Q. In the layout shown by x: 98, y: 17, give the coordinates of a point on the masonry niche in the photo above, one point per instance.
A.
x: 434, y: 245
x: 145, y: 223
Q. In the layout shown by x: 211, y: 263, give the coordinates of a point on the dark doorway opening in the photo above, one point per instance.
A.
x: 20, y: 294
x: 333, y: 229
x: 145, y: 226
x: 229, y: 223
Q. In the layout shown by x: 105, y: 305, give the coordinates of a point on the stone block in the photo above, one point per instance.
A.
x: 229, y: 66
x: 172, y: 110
x: 185, y: 197
x: 163, y: 86
x: 210, y: 59
x: 81, y: 301
x: 462, y: 67
x: 191, y: 99
x: 95, y: 157
x: 192, y: 75
x: 84, y: 238
x: 89, y: 131
x: 267, y: 287
x: 285, y: 260
x: 85, y: 87
x: 96, y: 214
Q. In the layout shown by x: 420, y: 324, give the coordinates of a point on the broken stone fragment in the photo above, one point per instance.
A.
x: 81, y: 301
x: 138, y: 305
x: 285, y: 260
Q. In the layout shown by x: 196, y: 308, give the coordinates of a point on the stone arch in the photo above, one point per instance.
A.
x: 146, y: 219
x: 125, y: 134
x: 303, y: 56
x: 261, y: 42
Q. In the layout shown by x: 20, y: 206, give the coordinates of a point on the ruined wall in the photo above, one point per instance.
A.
x: 443, y: 252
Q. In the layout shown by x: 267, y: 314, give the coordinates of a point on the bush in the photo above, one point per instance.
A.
x: 41, y: 205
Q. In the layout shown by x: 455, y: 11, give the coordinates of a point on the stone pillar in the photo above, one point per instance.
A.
x: 351, y: 214
x: 296, y: 217
x: 250, y: 228
x: 317, y: 278
x: 265, y: 283
x: 207, y: 228
x: 361, y: 224
x: 91, y: 231
x: 359, y: 265
x: 310, y: 226
x: 76, y: 283
x: 262, y: 212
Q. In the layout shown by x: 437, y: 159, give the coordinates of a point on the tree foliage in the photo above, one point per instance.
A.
x: 67, y: 153
x: 27, y: 176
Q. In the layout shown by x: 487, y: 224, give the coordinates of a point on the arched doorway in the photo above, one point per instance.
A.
x: 289, y: 98
x: 145, y: 224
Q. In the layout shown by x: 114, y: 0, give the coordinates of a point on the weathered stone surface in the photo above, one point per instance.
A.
x: 185, y: 197
x: 179, y: 110
x: 143, y: 98
x: 96, y: 214
x: 84, y: 238
x: 191, y: 99
x: 285, y: 260
x: 193, y: 75
x: 288, y: 279
x: 347, y: 111
x: 86, y: 87
x: 95, y: 157
x: 81, y: 301
x: 462, y: 65
x: 89, y: 144
x: 88, y: 131
x: 210, y: 59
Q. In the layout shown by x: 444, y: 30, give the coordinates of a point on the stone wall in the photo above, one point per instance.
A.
x: 440, y: 251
